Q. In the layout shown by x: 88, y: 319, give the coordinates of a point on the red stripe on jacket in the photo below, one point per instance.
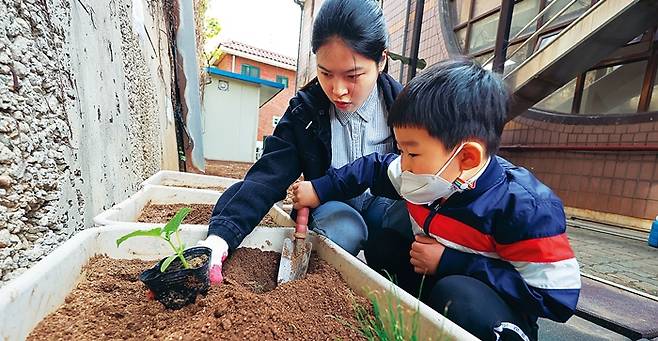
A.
x: 536, y: 250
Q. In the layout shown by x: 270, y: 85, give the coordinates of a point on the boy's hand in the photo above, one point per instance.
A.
x: 304, y: 195
x: 425, y: 254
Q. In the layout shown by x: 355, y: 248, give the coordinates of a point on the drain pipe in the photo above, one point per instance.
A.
x: 404, y: 38
x: 300, y: 3
x: 415, y: 40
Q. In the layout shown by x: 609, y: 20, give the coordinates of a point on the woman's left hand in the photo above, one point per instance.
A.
x: 425, y: 254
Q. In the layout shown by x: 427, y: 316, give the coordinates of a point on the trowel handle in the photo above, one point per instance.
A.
x: 302, y: 223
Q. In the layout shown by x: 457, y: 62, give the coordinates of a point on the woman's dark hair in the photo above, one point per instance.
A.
x: 454, y: 100
x: 359, y: 23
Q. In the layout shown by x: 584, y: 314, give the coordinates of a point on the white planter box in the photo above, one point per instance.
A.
x: 128, y: 210
x: 192, y: 180
x: 26, y: 300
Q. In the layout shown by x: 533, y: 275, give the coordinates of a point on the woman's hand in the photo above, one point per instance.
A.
x: 304, y: 195
x: 425, y: 254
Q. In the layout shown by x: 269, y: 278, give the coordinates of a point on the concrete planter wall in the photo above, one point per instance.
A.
x: 25, y: 301
x: 128, y: 210
x: 181, y: 179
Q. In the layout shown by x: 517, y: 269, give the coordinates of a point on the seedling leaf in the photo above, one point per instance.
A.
x: 174, y: 223
x: 167, y: 262
x: 154, y: 232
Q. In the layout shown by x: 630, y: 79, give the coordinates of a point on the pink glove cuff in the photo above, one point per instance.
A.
x: 216, y: 276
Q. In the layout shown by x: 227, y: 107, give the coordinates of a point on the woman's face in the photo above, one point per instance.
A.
x: 346, y: 76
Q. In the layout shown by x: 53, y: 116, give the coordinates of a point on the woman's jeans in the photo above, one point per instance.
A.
x: 349, y: 223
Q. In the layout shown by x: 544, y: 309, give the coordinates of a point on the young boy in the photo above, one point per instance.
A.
x: 489, y: 236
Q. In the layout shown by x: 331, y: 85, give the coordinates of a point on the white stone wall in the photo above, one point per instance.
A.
x: 85, y: 116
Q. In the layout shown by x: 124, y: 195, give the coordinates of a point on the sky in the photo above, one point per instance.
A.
x: 269, y: 24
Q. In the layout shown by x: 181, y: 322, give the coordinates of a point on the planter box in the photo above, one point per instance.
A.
x: 191, y: 180
x: 128, y: 210
x: 41, y: 290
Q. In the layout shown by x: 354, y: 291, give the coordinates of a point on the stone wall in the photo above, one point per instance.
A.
x: 85, y: 116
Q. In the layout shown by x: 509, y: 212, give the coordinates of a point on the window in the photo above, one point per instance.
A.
x: 524, y: 12
x: 250, y: 70
x: 283, y: 80
x: 571, y: 12
x: 476, y: 34
x: 483, y: 33
x: 561, y: 100
x: 275, y: 120
x: 614, y: 89
x: 484, y: 6
x: 461, y: 38
x: 462, y: 9
x: 653, y: 106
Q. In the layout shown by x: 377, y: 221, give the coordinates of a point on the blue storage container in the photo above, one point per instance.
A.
x: 653, y: 235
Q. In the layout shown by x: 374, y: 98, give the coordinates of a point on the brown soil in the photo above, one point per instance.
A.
x: 212, y: 188
x: 161, y: 213
x: 200, y: 214
x: 237, y: 170
x: 227, y: 169
x: 110, y: 303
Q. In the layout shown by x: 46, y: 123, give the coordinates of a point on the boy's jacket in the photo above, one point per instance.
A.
x: 508, y: 232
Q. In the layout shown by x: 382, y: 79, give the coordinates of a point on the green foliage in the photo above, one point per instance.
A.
x: 388, y: 320
x: 214, y: 54
x: 165, y: 234
x: 211, y: 28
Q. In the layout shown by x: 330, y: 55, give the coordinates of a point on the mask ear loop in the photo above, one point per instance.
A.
x: 459, y: 183
x: 452, y: 157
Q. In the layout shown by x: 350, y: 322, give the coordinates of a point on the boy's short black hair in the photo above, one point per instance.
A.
x: 454, y: 100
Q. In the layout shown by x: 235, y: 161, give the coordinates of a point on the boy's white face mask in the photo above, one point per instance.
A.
x: 422, y: 189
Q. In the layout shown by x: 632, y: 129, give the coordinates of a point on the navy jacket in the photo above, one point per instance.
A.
x: 508, y: 231
x: 300, y: 144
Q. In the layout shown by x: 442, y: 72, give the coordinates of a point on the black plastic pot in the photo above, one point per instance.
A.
x: 178, y: 287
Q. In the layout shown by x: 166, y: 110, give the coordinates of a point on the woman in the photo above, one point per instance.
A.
x: 335, y: 119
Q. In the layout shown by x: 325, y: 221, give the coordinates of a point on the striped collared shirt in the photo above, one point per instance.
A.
x: 359, y: 133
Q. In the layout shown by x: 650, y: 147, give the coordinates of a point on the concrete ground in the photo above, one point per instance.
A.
x: 612, y: 254
x: 617, y: 255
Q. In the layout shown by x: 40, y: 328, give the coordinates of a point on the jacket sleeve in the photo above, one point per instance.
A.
x: 538, y: 274
x: 349, y: 181
x: 242, y: 206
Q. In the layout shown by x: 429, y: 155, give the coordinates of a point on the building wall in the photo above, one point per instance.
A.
x: 85, y: 116
x: 277, y: 105
x: 223, y: 111
x: 618, y: 182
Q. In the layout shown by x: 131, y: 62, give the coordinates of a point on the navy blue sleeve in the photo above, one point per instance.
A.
x: 349, y: 181
x: 242, y: 206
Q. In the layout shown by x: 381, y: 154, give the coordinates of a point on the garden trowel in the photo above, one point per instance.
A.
x: 297, y: 252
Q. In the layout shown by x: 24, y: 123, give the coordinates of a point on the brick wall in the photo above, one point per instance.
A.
x: 277, y: 105
x: 618, y: 182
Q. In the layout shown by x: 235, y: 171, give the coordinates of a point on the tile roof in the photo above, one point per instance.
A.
x: 258, y: 52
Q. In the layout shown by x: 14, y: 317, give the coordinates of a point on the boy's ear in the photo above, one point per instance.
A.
x: 471, y: 156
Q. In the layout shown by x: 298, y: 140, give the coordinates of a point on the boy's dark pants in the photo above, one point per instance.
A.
x: 465, y: 300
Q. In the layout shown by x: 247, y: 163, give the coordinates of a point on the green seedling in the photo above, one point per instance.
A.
x: 165, y: 233
x: 387, y: 321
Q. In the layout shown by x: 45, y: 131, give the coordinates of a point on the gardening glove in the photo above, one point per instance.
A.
x: 219, y: 250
